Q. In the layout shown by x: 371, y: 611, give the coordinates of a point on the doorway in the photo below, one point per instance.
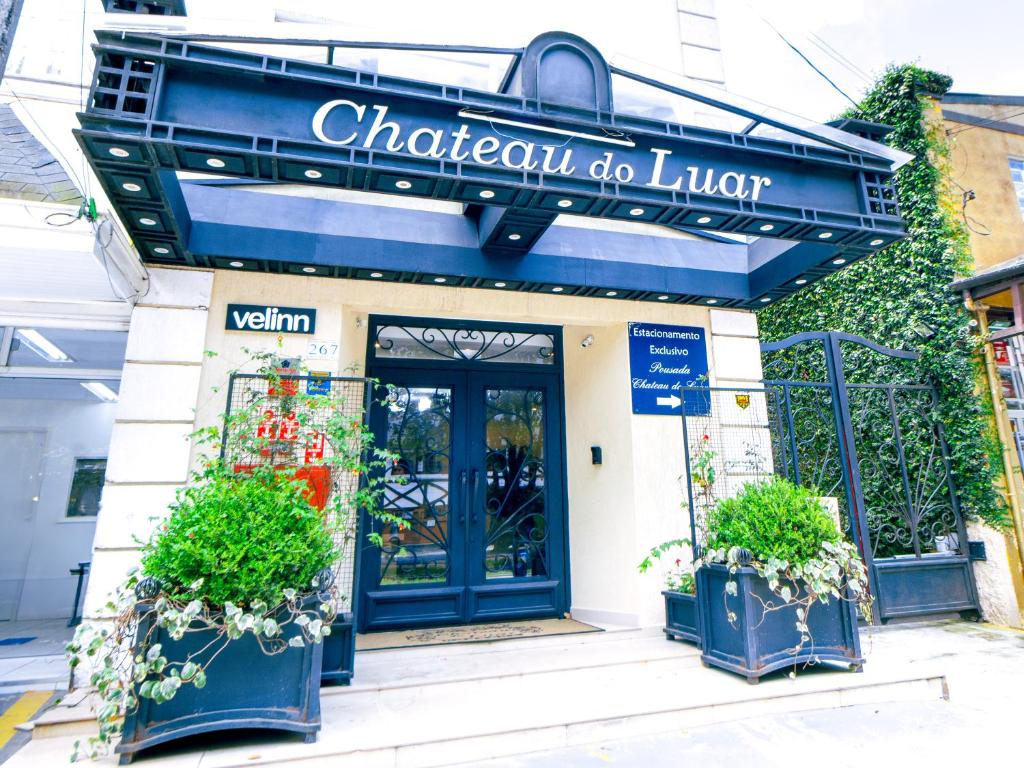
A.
x: 476, y: 476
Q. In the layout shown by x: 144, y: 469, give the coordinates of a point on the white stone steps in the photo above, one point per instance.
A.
x: 469, y: 703
x: 380, y: 672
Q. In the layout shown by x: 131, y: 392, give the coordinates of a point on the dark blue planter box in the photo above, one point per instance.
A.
x: 339, y: 652
x: 246, y: 688
x: 681, y: 616
x: 756, y: 642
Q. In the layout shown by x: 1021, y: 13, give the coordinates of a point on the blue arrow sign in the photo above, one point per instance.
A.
x: 661, y: 359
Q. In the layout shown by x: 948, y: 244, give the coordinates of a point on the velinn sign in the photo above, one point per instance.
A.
x: 549, y: 143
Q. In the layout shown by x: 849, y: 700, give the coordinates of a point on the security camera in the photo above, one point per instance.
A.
x: 587, y: 340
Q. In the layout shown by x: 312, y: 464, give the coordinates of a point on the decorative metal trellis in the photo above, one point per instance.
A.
x: 463, y: 344
x: 851, y: 419
x: 293, y: 436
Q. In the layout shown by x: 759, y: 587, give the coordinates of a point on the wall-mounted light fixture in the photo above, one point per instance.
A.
x: 924, y: 330
x: 587, y: 340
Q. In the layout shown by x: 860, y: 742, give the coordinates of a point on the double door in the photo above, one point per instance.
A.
x: 474, y: 488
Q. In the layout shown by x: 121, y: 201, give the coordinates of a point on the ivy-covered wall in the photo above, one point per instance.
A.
x: 884, y: 296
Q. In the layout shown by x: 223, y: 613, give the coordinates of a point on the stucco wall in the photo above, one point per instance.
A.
x: 996, y: 589
x: 979, y: 160
x: 617, y: 511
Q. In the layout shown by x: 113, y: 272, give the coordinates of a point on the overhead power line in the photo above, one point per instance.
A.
x: 800, y: 53
x: 834, y: 54
x: 984, y: 123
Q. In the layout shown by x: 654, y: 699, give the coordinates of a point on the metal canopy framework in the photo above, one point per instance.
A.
x: 549, y: 144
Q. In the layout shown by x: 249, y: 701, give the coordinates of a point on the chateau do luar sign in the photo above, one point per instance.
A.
x: 523, y: 146
x: 663, y: 358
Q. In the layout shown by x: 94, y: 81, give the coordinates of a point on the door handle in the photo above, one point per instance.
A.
x: 472, y: 497
x: 462, y: 484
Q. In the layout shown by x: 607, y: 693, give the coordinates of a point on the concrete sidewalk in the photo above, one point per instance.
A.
x: 38, y: 664
x: 628, y: 697
x: 981, y: 723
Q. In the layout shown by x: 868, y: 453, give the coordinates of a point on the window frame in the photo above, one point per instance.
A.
x: 1017, y: 164
x: 68, y: 518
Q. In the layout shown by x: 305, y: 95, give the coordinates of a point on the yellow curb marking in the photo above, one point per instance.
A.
x: 20, y: 711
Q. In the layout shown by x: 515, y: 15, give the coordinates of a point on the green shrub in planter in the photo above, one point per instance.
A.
x: 236, y: 579
x: 245, y: 537
x: 774, y: 519
x: 790, y: 582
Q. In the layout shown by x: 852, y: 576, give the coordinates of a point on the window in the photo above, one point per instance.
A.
x: 148, y: 7
x: 1017, y: 174
x: 86, y: 487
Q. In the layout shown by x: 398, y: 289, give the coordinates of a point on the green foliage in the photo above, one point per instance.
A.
x: 883, y: 297
x: 247, y: 537
x: 774, y: 519
x: 796, y: 547
x: 679, y: 578
x: 238, y: 554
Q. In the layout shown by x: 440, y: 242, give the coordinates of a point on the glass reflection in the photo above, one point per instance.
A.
x: 419, y: 431
x: 515, y: 543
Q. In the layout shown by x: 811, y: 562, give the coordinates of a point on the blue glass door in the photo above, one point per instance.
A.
x: 516, y: 534
x: 477, y: 484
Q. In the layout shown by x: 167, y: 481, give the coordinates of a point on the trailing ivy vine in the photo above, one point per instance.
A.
x: 885, y: 296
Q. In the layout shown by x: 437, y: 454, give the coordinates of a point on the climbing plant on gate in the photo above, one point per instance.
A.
x: 885, y: 296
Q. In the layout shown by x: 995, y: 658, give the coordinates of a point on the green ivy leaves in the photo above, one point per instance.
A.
x: 885, y: 295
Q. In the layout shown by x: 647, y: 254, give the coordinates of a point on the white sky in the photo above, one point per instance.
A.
x: 979, y: 43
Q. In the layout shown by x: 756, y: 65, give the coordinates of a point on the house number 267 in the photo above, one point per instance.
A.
x: 321, y: 350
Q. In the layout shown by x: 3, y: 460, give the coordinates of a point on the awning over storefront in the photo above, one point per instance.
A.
x: 692, y: 214
x: 1001, y: 284
x: 995, y: 278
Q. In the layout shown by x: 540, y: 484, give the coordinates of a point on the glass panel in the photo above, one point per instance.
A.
x: 1017, y: 175
x: 86, y: 487
x: 419, y: 343
x: 68, y: 348
x: 516, y: 536
x: 420, y: 433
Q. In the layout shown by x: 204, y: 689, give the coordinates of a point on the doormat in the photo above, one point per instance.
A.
x: 16, y: 640
x: 472, y: 633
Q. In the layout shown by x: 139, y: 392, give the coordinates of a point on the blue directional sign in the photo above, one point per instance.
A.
x: 662, y: 358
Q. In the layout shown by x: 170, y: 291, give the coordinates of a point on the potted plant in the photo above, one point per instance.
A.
x: 680, y: 593
x: 236, y: 586
x: 777, y: 584
x: 292, y: 419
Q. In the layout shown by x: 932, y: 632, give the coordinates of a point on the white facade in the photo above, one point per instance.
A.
x: 617, y: 510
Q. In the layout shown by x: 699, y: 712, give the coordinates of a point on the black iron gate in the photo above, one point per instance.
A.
x: 851, y: 419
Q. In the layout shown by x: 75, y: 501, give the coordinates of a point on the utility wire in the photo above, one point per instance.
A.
x: 824, y: 46
x: 800, y: 53
x: 984, y: 123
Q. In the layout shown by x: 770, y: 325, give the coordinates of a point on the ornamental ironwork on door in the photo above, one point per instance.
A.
x: 852, y: 420
x: 471, y: 419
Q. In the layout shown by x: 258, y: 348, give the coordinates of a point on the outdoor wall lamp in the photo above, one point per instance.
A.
x: 587, y: 340
x: 924, y: 330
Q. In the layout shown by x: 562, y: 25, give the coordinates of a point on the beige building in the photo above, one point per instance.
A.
x: 986, y: 139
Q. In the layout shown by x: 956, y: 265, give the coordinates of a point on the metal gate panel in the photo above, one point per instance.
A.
x: 350, y: 399
x: 877, y: 447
